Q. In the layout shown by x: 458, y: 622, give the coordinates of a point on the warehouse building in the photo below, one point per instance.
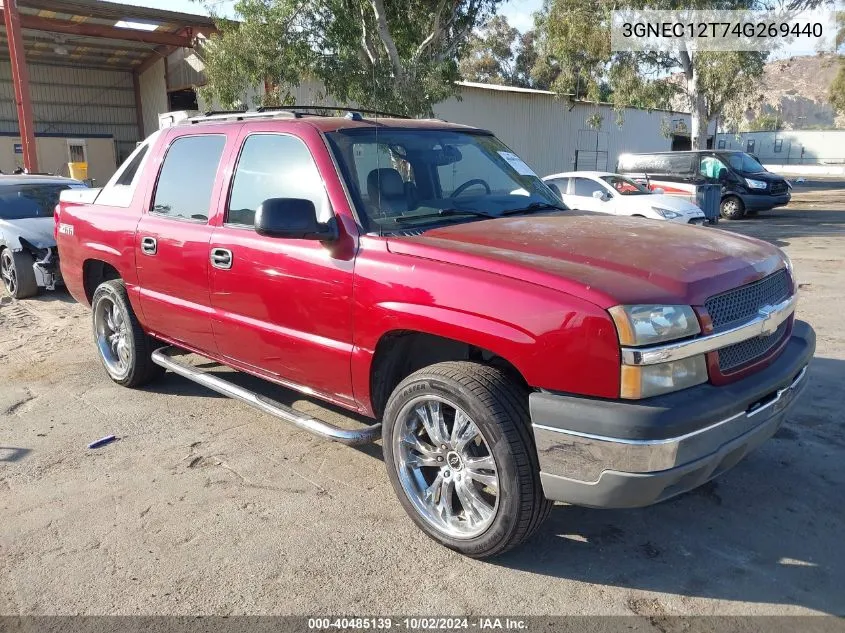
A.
x: 789, y: 147
x: 82, y: 81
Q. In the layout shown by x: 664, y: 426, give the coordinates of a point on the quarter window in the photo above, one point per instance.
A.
x: 274, y: 166
x: 187, y: 177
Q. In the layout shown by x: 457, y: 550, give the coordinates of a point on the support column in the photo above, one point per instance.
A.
x: 20, y: 78
x: 139, y: 105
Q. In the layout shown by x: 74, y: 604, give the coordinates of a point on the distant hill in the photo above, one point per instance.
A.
x: 796, y: 89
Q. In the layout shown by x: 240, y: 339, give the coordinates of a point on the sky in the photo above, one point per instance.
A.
x: 518, y: 12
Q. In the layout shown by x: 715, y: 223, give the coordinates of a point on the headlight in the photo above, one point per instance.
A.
x: 652, y: 380
x: 755, y: 184
x: 666, y: 213
x: 649, y: 324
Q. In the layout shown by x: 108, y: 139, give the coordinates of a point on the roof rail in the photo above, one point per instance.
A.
x: 344, y: 109
x: 236, y: 115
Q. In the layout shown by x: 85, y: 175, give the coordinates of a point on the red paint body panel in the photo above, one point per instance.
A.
x: 532, y: 289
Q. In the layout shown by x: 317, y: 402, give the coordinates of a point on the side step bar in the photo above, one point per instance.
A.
x: 164, y: 357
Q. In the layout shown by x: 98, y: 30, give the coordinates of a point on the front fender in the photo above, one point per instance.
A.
x: 556, y: 341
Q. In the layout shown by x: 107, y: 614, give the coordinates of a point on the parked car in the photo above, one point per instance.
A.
x: 28, y: 257
x: 418, y: 272
x: 604, y: 192
x: 747, y: 187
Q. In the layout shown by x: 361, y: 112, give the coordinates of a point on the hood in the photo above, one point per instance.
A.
x: 36, y: 231
x: 766, y: 176
x: 605, y: 260
x: 673, y: 203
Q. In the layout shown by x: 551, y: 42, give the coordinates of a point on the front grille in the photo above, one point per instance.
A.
x: 778, y: 188
x: 740, y: 305
x: 739, y: 354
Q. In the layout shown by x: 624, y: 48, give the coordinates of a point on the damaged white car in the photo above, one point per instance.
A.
x: 29, y: 259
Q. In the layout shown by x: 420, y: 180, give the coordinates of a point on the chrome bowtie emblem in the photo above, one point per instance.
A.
x: 767, y: 314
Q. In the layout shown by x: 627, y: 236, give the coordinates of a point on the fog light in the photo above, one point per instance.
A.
x: 652, y: 380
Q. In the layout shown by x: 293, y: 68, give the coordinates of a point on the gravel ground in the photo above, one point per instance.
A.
x: 204, y: 506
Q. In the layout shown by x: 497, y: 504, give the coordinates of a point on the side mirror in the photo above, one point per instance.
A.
x: 293, y: 218
x: 600, y: 195
x: 659, y: 191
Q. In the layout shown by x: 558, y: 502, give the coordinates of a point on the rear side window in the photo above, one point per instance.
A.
x: 274, y: 166
x: 128, y: 174
x: 187, y: 177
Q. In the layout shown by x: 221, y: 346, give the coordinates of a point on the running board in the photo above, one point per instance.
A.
x: 163, y: 357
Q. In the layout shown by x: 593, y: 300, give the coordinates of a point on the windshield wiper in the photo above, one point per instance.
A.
x: 534, y: 206
x: 404, y: 219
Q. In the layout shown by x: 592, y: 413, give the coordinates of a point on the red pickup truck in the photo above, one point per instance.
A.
x: 515, y: 353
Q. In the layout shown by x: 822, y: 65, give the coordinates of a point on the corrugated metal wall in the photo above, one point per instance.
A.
x: 547, y: 132
x: 790, y: 147
x: 74, y: 102
x: 153, y: 96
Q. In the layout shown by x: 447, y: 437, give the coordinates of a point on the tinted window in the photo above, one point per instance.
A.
x: 274, y: 166
x: 18, y: 202
x: 746, y: 163
x: 586, y: 187
x: 187, y: 177
x: 128, y: 174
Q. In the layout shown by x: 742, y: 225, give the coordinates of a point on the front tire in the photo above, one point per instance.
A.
x: 461, y: 458
x: 124, y: 348
x: 17, y: 273
x: 732, y: 208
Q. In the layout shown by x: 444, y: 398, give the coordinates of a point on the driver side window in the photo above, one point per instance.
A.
x: 585, y: 187
x: 274, y: 166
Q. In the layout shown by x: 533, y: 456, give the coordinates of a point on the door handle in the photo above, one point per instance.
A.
x: 221, y: 258
x: 149, y: 246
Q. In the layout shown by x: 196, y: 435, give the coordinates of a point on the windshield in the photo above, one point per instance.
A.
x: 625, y: 186
x: 745, y: 162
x: 406, y: 178
x: 19, y: 202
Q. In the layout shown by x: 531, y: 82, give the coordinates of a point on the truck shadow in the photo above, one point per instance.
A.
x: 779, y: 226
x: 768, y: 531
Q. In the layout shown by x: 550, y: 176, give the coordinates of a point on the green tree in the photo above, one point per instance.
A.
x: 498, y: 53
x: 390, y: 56
x: 769, y: 122
x: 575, y: 43
x: 837, y: 87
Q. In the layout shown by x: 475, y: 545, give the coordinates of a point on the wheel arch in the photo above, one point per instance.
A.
x: 95, y: 272
x: 399, y: 353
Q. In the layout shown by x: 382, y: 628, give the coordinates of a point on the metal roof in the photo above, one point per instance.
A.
x: 99, y: 34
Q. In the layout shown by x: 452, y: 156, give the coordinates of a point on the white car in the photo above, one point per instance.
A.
x: 611, y: 193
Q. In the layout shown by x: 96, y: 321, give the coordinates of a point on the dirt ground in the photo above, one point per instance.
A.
x: 205, y: 506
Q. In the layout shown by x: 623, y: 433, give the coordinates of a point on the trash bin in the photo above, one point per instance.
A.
x: 708, y: 198
x: 78, y: 171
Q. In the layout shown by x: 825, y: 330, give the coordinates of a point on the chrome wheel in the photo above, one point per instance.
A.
x: 7, y: 271
x: 110, y: 328
x: 446, y: 467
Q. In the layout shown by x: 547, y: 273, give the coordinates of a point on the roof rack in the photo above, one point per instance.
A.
x: 287, y: 112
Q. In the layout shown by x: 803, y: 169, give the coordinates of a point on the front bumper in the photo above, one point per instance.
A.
x: 755, y: 202
x: 624, y: 454
x: 47, y: 270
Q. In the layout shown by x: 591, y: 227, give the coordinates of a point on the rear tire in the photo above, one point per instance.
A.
x: 478, y: 496
x: 124, y: 348
x: 732, y: 208
x: 17, y: 273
